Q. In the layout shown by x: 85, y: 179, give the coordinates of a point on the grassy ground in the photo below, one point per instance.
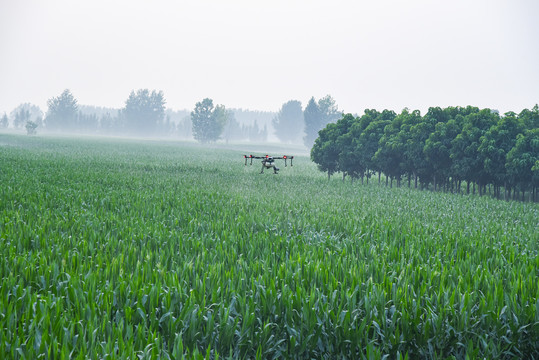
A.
x: 123, y: 249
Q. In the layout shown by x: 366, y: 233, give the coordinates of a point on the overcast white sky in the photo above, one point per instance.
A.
x: 259, y: 54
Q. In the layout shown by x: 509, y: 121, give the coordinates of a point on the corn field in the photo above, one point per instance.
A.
x: 124, y: 249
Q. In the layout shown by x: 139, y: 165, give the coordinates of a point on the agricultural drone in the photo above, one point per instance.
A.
x: 268, y: 161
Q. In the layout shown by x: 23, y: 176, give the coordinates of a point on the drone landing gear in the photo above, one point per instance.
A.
x: 275, y: 169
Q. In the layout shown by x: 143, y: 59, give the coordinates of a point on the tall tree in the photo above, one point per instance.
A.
x: 208, y: 121
x: 288, y: 123
x: 495, y: 145
x: 62, y: 112
x: 329, y: 110
x: 144, y: 112
x: 313, y: 119
x: 521, y: 160
x: 232, y: 130
x: 467, y: 161
x: 350, y: 160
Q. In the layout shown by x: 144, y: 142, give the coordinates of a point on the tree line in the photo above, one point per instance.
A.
x: 145, y: 114
x: 441, y: 150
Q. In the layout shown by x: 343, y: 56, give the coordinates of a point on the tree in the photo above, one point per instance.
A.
x: 530, y: 118
x: 521, y: 159
x: 232, y: 130
x: 312, y: 117
x: 325, y: 151
x: 208, y: 122
x: 329, y: 110
x: 288, y: 123
x: 467, y: 161
x: 438, y: 151
x: 24, y: 113
x: 317, y: 116
x: 4, y: 122
x: 390, y: 153
x: 31, y: 128
x: 350, y: 158
x: 62, y: 112
x: 495, y: 145
x: 144, y: 112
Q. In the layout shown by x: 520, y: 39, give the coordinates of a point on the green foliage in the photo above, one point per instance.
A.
x: 208, y: 122
x: 126, y: 249
x: 443, y: 148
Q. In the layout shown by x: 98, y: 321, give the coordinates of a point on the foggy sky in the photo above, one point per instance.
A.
x: 260, y: 54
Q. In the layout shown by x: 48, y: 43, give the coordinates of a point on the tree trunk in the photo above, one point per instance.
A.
x: 415, y: 181
x: 467, y: 188
x: 435, y: 183
x: 329, y: 175
x: 379, y: 175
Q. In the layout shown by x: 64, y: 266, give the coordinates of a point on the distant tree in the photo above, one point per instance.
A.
x: 24, y: 113
x: 108, y: 124
x: 232, y: 130
x: 317, y: 116
x: 288, y: 123
x: 144, y: 112
x: 31, y: 128
x: 256, y: 134
x: 208, y: 122
x: 329, y: 110
x: 184, y: 128
x: 62, y: 113
x: 313, y: 119
x: 22, y: 116
x: 4, y: 122
x: 88, y: 123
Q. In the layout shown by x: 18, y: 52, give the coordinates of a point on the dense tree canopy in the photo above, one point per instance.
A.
x: 442, y: 149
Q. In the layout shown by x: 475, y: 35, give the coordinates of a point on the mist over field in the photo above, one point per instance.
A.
x: 304, y: 179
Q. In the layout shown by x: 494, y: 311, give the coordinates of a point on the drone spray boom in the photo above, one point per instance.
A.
x: 269, y: 158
